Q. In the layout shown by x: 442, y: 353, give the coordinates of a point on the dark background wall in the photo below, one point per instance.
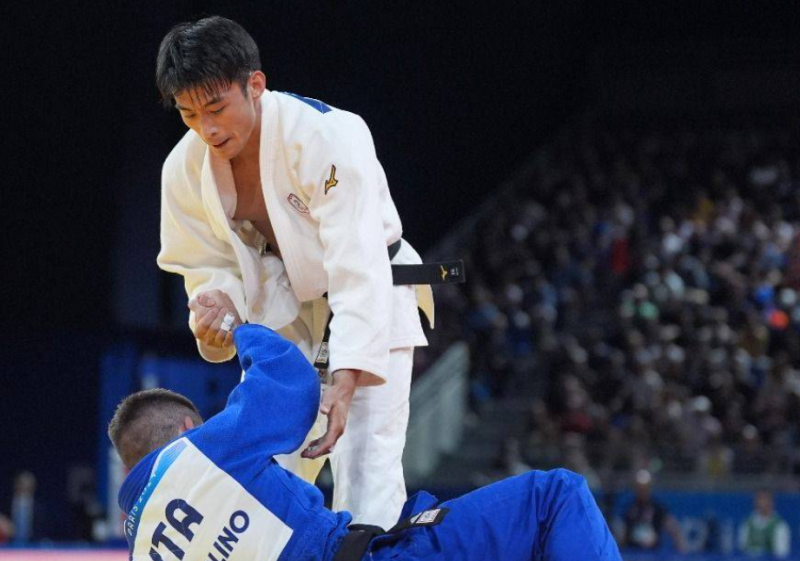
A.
x: 457, y: 95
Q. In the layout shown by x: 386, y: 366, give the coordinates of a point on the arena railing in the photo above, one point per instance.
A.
x: 438, y: 408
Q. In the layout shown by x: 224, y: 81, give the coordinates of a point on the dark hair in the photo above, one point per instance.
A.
x: 211, y: 53
x: 146, y: 420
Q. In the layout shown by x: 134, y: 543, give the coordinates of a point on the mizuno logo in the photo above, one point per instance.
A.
x: 332, y: 181
x: 444, y: 272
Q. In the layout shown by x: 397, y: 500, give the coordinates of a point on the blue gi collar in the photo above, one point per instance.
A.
x: 135, y: 481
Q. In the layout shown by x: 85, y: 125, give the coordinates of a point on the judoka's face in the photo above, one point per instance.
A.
x: 228, y: 121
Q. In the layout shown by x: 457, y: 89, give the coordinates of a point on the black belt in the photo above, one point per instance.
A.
x: 443, y: 272
x: 355, y: 544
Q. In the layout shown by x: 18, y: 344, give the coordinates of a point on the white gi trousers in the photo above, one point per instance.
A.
x: 366, y: 462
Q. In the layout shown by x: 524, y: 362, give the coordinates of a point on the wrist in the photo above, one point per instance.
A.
x: 346, y: 378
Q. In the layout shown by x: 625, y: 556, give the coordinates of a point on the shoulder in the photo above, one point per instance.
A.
x: 291, y: 101
x: 308, y: 121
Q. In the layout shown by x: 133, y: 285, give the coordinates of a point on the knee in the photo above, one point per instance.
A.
x: 555, y: 483
x: 566, y: 480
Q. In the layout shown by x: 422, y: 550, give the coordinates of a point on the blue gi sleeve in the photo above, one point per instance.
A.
x: 271, y: 410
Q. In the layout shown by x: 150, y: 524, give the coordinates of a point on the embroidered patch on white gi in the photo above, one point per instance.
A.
x: 332, y: 181
x: 298, y: 205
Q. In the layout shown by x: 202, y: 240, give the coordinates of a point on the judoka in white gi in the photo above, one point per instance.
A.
x: 270, y: 202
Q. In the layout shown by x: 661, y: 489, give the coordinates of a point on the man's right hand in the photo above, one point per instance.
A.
x: 210, y: 309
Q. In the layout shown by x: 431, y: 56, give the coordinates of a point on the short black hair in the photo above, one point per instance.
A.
x: 146, y: 420
x: 211, y: 53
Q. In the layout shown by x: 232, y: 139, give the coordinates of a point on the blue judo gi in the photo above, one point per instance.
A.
x: 216, y: 494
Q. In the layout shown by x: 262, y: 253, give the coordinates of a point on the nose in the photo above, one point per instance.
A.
x: 208, y: 128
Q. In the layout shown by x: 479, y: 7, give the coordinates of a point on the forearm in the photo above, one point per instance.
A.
x: 190, y: 248
x: 279, y: 382
x: 360, y: 328
x: 335, y: 405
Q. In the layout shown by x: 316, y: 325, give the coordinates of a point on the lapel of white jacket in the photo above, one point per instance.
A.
x: 271, y: 165
x: 213, y: 202
x: 266, y: 162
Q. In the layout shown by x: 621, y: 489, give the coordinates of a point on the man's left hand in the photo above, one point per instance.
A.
x: 335, y: 404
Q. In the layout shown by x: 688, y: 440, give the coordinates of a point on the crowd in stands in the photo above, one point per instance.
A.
x: 642, y: 291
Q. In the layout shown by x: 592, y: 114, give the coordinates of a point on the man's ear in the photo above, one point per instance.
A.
x: 256, y: 84
x: 188, y: 424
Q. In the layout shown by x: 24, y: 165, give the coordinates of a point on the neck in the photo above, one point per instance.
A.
x: 251, y: 150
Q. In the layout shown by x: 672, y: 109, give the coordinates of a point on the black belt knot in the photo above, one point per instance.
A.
x: 355, y: 543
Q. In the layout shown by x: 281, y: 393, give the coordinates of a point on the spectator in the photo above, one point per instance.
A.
x: 507, y: 462
x: 716, y: 461
x: 23, y: 509
x: 6, y: 529
x: 750, y: 457
x: 84, y: 507
x: 765, y: 532
x: 510, y: 462
x: 646, y: 520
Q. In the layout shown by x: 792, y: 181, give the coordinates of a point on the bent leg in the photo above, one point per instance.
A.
x: 578, y: 529
x: 537, y: 516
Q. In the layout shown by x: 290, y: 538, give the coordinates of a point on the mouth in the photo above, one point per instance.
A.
x: 222, y: 144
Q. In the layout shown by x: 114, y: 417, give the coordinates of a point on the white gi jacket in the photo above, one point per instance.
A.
x: 332, y: 226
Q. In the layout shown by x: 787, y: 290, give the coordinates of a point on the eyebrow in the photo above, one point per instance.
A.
x: 212, y: 101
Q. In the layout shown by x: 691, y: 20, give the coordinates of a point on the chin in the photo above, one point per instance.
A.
x: 227, y: 151
x: 233, y: 152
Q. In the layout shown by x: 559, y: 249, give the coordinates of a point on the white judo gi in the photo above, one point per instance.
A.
x: 329, y: 205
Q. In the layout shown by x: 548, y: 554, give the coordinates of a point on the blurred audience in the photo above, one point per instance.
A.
x: 645, y: 283
x: 765, y: 532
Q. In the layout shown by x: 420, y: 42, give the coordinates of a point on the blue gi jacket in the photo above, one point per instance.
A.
x: 216, y: 493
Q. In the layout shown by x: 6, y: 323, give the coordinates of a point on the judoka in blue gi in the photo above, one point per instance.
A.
x: 213, y: 492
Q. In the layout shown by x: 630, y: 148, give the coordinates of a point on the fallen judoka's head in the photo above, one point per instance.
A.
x: 147, y: 420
